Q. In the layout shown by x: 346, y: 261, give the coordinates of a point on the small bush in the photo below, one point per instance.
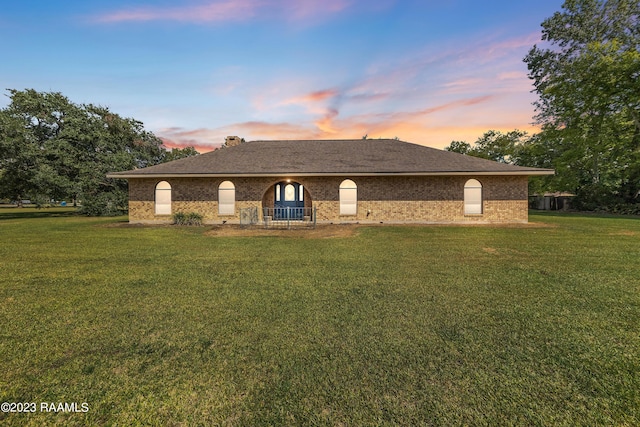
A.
x: 190, y: 218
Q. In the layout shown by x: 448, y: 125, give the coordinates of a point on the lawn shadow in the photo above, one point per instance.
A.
x: 581, y: 214
x: 28, y: 213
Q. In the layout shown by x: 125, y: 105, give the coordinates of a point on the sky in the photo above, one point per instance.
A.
x: 196, y: 71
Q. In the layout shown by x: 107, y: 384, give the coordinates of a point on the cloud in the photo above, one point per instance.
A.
x: 422, y: 127
x: 467, y: 102
x: 325, y: 124
x: 221, y: 11
x: 169, y: 144
x: 204, y: 139
x: 369, y: 97
x: 389, y: 124
x: 312, y: 97
x: 430, y: 96
x: 282, y: 130
x: 303, y: 9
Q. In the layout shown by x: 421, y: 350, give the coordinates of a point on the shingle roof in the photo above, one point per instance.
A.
x: 329, y: 157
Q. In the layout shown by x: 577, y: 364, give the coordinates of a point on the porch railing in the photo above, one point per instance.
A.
x: 287, y: 217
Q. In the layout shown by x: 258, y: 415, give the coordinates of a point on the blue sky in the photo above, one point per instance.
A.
x: 194, y: 71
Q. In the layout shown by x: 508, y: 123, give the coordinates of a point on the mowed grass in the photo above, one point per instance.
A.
x: 431, y: 325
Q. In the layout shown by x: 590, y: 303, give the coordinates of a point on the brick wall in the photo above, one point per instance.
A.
x: 380, y: 199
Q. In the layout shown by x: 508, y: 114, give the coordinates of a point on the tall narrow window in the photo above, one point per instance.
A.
x: 348, y: 197
x: 289, y: 193
x: 473, y: 197
x: 227, y: 198
x: 163, y: 198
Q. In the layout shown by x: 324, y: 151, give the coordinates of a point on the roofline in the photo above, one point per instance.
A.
x: 537, y: 172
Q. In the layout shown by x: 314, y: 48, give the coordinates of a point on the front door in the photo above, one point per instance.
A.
x: 289, y: 201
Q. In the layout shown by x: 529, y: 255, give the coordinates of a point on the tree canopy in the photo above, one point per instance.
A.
x: 587, y: 77
x: 51, y: 148
x: 494, y: 145
x: 586, y: 74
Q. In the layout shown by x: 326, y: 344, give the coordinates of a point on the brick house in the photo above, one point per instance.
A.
x: 378, y: 180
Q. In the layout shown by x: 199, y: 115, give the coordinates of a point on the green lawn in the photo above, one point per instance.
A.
x: 393, y: 326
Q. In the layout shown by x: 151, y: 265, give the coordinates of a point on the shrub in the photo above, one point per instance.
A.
x: 190, y: 218
x: 104, y: 204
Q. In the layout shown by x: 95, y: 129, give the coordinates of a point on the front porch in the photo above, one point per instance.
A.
x: 289, y: 217
x: 279, y: 217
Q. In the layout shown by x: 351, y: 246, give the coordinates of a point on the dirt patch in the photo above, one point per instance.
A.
x: 624, y: 233
x: 321, y: 231
x: 126, y: 224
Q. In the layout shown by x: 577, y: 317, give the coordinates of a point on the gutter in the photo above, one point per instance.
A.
x: 118, y: 175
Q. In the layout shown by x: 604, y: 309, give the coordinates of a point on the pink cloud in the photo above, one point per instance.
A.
x: 400, y: 88
x: 369, y: 97
x: 404, y: 116
x: 422, y: 127
x: 328, y: 124
x: 430, y: 98
x: 455, y: 104
x: 312, y: 97
x: 321, y: 95
x: 303, y: 9
x: 512, y: 75
x: 204, y: 139
x: 325, y: 124
x: 172, y: 143
x: 461, y: 67
x: 258, y: 130
x: 218, y: 11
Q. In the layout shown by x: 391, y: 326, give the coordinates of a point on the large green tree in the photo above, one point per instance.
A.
x: 53, y: 148
x: 587, y: 76
x: 494, y: 145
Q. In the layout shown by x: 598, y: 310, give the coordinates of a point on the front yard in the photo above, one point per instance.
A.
x: 433, y: 325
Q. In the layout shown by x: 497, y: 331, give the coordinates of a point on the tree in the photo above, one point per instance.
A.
x: 27, y: 128
x: 461, y: 147
x: 51, y: 148
x: 587, y: 77
x: 179, y: 153
x: 106, y: 142
x: 493, y: 145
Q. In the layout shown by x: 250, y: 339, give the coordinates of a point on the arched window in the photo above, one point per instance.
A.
x: 472, y: 197
x: 289, y: 193
x: 226, y: 198
x: 348, y: 197
x: 163, y: 198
